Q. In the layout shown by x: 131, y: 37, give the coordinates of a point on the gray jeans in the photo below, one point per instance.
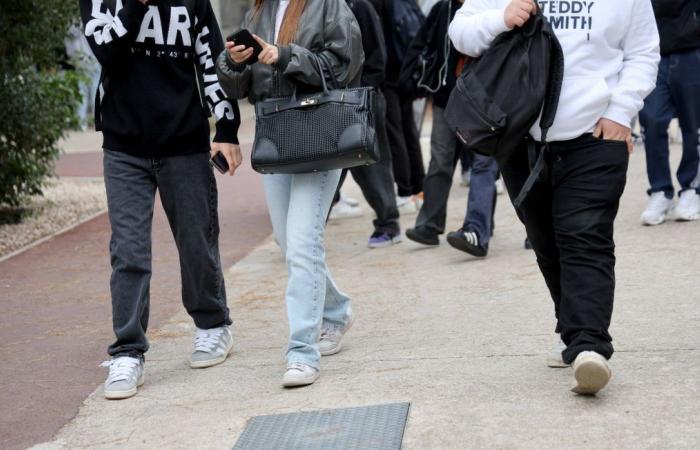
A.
x: 188, y: 193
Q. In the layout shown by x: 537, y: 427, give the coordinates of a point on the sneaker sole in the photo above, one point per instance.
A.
x: 459, y: 244
x: 557, y: 363
x: 340, y: 343
x: 121, y: 395
x: 591, y: 376
x: 393, y: 241
x: 300, y: 382
x: 653, y: 223
x: 212, y: 362
x: 412, y: 237
x: 690, y: 218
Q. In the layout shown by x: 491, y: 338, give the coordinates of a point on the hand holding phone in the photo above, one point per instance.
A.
x: 243, y: 47
x: 225, y: 157
x: 219, y: 161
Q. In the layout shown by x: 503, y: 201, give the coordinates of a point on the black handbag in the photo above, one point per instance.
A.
x: 331, y: 129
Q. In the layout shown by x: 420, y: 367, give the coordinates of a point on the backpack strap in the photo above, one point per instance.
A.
x: 549, y: 111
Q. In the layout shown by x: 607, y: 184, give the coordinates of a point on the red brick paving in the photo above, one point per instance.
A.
x: 56, y: 313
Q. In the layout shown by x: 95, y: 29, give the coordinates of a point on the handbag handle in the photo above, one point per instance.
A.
x: 319, y: 64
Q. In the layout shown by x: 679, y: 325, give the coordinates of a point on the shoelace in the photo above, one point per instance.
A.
x: 206, y: 340
x: 329, y: 331
x: 121, y: 369
x: 301, y: 367
x: 658, y: 203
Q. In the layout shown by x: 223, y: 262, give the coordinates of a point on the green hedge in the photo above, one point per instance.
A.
x: 37, y: 99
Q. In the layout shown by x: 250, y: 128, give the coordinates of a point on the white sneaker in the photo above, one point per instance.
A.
x: 406, y: 205
x: 466, y: 178
x: 211, y: 347
x: 554, y: 359
x: 299, y: 374
x: 126, y: 374
x: 657, y: 209
x: 331, y: 341
x: 688, y: 207
x: 500, y: 187
x: 349, y: 200
x: 591, y: 373
x: 344, y: 210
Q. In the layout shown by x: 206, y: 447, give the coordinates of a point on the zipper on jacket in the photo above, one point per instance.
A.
x: 199, y: 86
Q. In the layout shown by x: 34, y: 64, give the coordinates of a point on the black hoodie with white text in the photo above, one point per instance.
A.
x: 159, y: 76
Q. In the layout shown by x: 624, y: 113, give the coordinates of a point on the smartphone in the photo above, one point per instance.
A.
x: 220, y: 163
x: 243, y: 37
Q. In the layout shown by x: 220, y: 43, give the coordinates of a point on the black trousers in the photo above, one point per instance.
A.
x: 188, y: 193
x: 404, y: 142
x: 569, y: 219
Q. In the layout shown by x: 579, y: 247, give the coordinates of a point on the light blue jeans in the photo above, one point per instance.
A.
x: 298, y: 206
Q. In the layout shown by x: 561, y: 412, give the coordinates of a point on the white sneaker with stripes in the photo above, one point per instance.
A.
x: 211, y: 347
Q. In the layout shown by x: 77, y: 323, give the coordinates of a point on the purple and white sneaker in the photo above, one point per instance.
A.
x: 380, y: 240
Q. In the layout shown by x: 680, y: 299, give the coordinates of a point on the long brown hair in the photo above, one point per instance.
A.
x: 290, y: 22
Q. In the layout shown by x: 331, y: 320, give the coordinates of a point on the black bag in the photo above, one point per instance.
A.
x: 500, y: 95
x: 406, y: 20
x: 425, y: 68
x: 332, y: 129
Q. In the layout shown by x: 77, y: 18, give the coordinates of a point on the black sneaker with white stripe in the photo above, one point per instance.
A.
x: 467, y: 241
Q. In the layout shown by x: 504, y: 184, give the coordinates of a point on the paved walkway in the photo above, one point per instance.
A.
x: 55, y: 324
x: 464, y: 340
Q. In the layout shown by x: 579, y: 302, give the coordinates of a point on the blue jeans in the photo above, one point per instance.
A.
x: 298, y: 206
x: 482, y: 197
x: 677, y: 94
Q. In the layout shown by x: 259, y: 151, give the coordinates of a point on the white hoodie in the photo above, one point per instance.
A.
x: 611, y: 56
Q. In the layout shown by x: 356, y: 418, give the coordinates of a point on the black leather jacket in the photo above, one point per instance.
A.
x: 326, y: 27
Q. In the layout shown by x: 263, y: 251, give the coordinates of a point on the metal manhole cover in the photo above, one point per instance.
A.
x: 377, y: 427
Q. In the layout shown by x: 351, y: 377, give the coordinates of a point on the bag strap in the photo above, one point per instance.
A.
x: 549, y: 111
x: 326, y: 64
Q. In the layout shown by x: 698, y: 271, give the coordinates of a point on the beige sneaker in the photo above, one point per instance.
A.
x: 554, y: 359
x: 299, y: 374
x: 331, y: 341
x: 591, y: 373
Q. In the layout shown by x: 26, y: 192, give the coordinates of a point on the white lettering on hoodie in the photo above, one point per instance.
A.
x: 611, y: 56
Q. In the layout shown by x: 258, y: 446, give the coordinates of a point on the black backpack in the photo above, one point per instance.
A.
x: 425, y: 67
x: 406, y: 20
x: 500, y: 95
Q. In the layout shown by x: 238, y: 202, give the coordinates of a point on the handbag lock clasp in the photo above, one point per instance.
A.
x: 309, y: 101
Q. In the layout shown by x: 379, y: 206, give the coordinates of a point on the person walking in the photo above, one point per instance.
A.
x: 156, y: 137
x: 677, y: 94
x: 81, y: 58
x: 293, y: 34
x: 404, y: 140
x: 377, y: 180
x: 474, y: 235
x: 611, y: 53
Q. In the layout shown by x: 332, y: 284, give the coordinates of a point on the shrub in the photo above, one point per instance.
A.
x: 37, y: 99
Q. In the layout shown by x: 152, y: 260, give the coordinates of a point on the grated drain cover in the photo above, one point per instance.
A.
x: 376, y: 427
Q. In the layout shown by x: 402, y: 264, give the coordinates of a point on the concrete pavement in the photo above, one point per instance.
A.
x: 55, y: 324
x: 463, y: 339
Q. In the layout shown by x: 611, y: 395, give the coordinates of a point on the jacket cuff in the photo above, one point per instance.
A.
x: 233, y: 65
x: 619, y: 115
x: 226, y: 132
x: 495, y: 21
x: 285, y: 55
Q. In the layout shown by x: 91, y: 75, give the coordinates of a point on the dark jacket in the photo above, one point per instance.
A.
x: 374, y: 69
x: 153, y: 66
x: 432, y: 38
x: 327, y: 28
x: 679, y: 24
